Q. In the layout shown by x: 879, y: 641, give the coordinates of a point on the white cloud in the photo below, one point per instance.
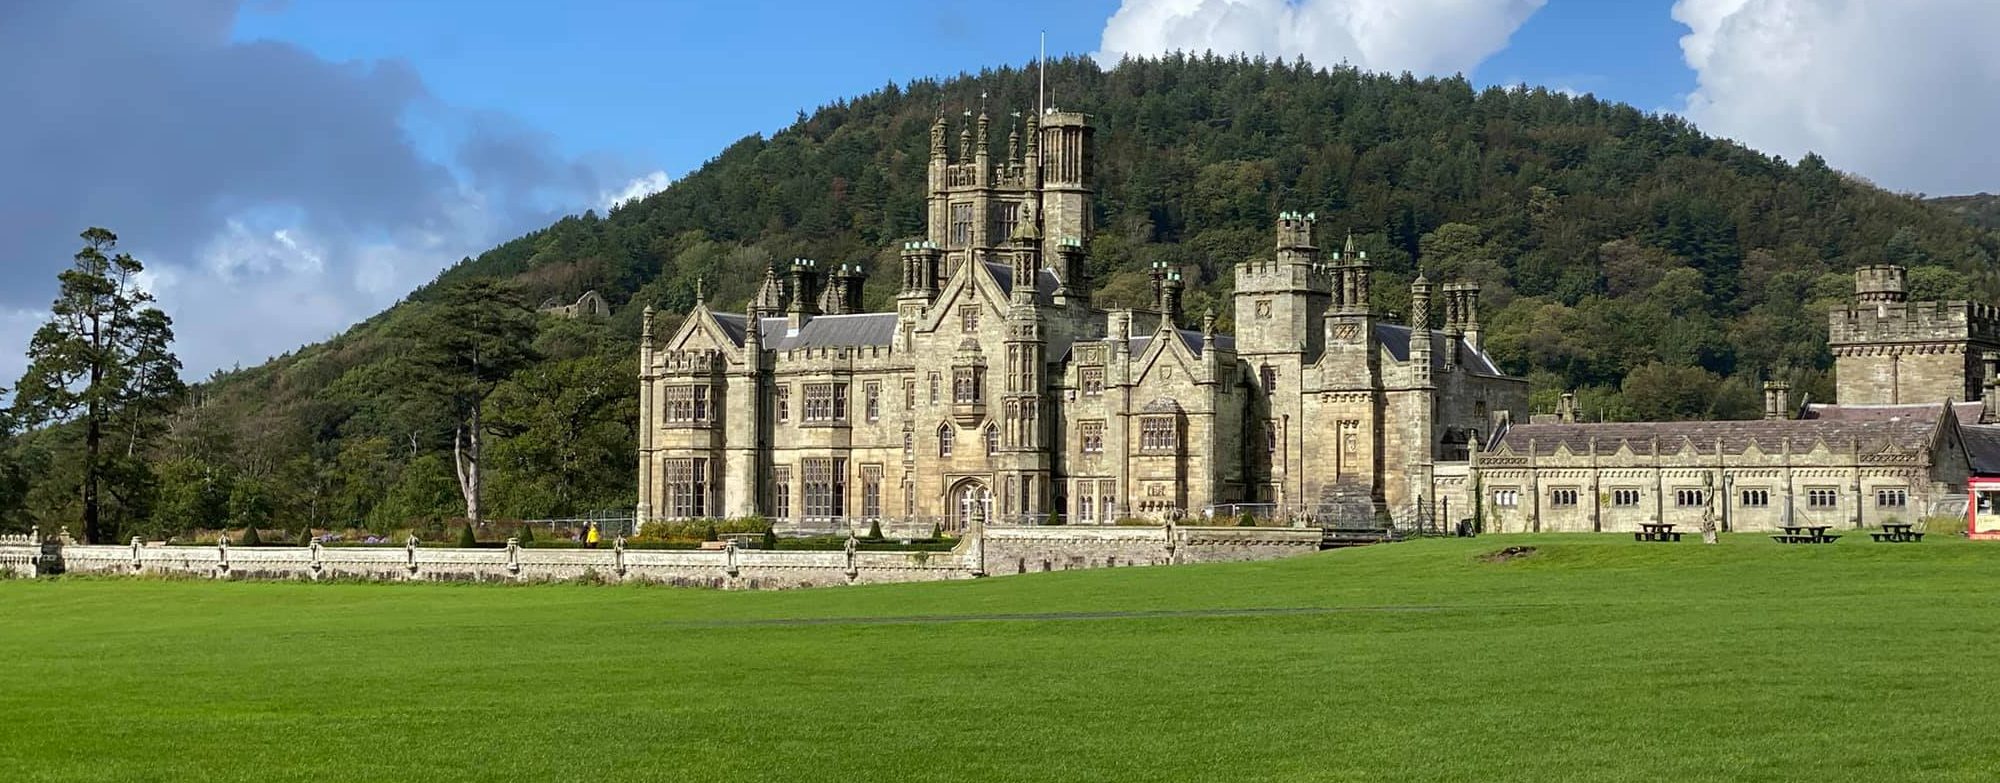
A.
x: 16, y: 326
x: 1422, y: 36
x: 1899, y: 92
x: 276, y: 196
x: 638, y: 188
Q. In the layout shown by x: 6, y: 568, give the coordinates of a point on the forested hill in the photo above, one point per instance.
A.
x: 1659, y: 271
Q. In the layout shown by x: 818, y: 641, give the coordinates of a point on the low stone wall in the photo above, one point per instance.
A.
x: 994, y: 551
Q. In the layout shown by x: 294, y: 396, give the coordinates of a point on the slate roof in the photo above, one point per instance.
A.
x: 1396, y: 338
x: 1966, y: 412
x: 1189, y: 337
x: 1907, y: 433
x: 1045, y: 280
x: 1982, y: 447
x: 823, y: 331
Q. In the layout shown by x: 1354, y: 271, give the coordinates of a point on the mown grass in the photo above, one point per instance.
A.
x: 1593, y: 659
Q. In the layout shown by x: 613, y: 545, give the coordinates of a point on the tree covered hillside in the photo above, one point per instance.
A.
x: 1658, y: 271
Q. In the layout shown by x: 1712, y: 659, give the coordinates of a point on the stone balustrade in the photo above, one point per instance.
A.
x: 992, y: 551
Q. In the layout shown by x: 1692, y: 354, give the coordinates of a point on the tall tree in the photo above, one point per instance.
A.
x: 103, y: 360
x: 461, y: 346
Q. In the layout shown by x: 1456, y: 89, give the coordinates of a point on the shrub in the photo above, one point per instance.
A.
x: 937, y: 530
x: 527, y: 536
x: 466, y: 538
x: 1053, y: 519
x: 305, y: 536
x: 250, y: 537
x: 770, y: 539
x: 874, y: 530
x: 708, y: 534
x: 1245, y: 520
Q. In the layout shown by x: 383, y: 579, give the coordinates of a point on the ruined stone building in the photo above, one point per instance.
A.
x: 1899, y: 442
x: 998, y: 389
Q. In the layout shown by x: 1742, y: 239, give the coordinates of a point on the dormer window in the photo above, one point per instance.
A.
x: 968, y: 318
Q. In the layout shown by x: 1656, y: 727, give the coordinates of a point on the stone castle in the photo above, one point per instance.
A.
x: 999, y: 391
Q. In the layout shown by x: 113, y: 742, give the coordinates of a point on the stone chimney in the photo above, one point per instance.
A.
x: 1167, y: 285
x: 1989, y: 410
x: 1468, y: 315
x: 1777, y: 400
x: 805, y: 294
x: 1566, y: 411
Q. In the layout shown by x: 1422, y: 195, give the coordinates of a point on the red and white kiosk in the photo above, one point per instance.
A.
x: 1982, y: 507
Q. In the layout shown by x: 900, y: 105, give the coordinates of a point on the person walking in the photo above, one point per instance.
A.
x: 590, y: 536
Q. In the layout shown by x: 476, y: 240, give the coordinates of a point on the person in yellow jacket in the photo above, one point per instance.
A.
x: 590, y: 536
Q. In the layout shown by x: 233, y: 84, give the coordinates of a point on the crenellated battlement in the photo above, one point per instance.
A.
x: 1902, y: 322
x: 1272, y: 275
x: 1888, y: 349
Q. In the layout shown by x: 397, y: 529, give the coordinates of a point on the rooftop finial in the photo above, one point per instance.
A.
x: 1349, y: 248
x: 700, y: 297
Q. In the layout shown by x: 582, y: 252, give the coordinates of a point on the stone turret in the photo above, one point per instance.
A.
x: 1881, y: 284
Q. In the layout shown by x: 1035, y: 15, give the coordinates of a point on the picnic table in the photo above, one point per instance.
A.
x: 1655, y: 531
x: 1898, y: 532
x: 1805, y: 534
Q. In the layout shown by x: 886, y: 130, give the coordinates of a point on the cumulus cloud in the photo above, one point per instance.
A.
x: 275, y: 196
x: 1421, y: 36
x: 638, y: 188
x: 1899, y: 92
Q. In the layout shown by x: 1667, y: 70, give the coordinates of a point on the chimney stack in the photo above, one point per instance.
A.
x: 1777, y: 400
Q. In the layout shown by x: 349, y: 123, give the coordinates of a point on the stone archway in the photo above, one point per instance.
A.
x: 960, y: 501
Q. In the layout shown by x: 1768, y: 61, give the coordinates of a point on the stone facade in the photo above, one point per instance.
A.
x: 998, y: 388
x: 995, y: 552
x: 1899, y: 445
x: 1889, y: 350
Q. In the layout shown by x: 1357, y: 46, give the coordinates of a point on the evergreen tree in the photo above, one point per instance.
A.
x: 102, y: 361
x: 460, y: 348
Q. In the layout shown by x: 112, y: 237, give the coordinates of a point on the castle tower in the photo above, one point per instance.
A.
x: 1066, y: 166
x: 978, y: 201
x: 1279, y: 303
x: 1889, y: 350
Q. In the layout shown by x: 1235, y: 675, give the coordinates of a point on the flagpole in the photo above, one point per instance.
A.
x: 1042, y: 74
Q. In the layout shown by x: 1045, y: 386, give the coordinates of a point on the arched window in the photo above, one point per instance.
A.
x: 992, y: 440
x: 909, y: 446
x: 944, y: 440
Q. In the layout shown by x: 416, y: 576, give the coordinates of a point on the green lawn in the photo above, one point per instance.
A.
x: 1594, y: 659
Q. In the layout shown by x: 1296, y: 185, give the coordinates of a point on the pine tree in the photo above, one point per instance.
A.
x: 103, y: 362
x: 460, y: 347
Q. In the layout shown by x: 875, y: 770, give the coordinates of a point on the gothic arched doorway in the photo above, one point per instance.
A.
x: 964, y: 497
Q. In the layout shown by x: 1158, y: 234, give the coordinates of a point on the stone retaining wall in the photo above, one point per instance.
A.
x: 994, y: 551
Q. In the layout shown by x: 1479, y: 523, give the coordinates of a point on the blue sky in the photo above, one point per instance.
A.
x: 288, y: 167
x: 666, y: 85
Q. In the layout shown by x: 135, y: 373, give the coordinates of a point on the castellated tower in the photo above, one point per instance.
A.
x: 978, y: 199
x: 1280, y: 303
x: 1888, y: 350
